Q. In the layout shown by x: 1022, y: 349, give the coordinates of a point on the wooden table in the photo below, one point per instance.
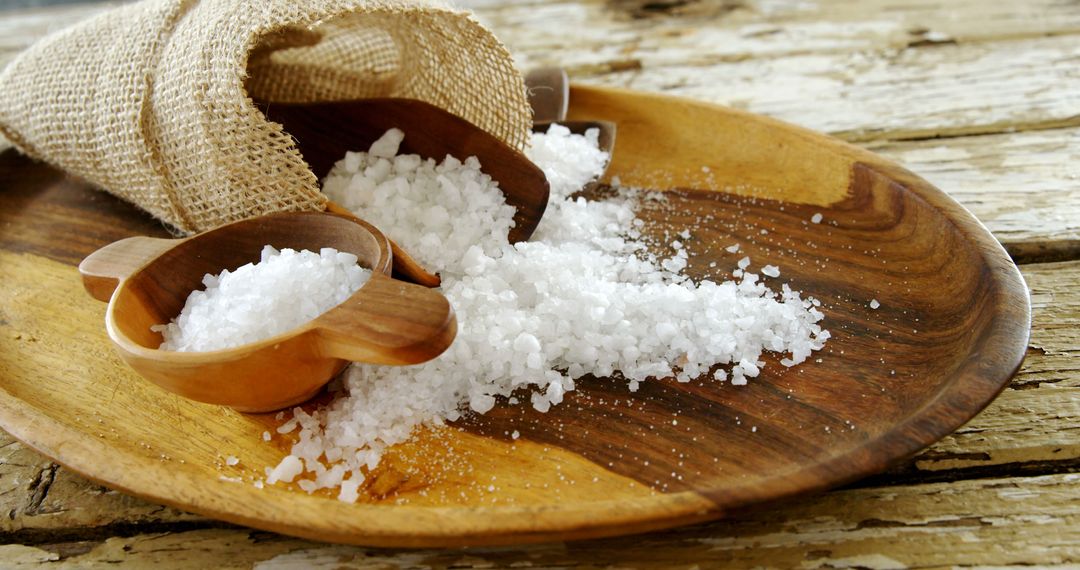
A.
x: 982, y: 99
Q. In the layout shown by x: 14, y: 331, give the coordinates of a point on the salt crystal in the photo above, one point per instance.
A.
x: 816, y: 218
x: 352, y: 161
x: 350, y: 490
x: 231, y: 460
x: 733, y: 248
x: 874, y: 304
x: 286, y: 471
x: 526, y: 342
x: 771, y: 271
x: 387, y: 145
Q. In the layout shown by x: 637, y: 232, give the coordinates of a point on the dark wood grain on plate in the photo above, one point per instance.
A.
x: 882, y: 366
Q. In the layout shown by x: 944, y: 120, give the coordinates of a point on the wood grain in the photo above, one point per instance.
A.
x: 1032, y: 521
x: 594, y: 466
x: 1025, y: 186
x: 614, y: 35
x: 843, y: 68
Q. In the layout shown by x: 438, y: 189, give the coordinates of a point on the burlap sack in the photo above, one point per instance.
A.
x: 152, y: 101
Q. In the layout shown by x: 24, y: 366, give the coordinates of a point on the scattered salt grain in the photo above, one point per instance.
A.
x: 350, y: 490
x: 771, y: 271
x: 286, y: 471
x: 816, y: 218
x: 733, y: 248
x: 285, y: 289
x: 874, y: 304
x: 231, y: 460
x: 584, y: 297
x: 266, y: 436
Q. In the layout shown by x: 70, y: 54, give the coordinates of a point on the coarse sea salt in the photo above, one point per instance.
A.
x: 585, y: 296
x: 285, y: 289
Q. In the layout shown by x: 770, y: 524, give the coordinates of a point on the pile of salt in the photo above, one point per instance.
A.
x: 584, y: 297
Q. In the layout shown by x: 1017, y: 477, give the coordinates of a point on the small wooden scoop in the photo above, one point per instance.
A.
x: 549, y: 96
x: 325, y: 131
x: 147, y: 281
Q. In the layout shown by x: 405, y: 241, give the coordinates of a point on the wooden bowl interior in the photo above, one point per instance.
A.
x: 157, y: 292
x: 324, y: 132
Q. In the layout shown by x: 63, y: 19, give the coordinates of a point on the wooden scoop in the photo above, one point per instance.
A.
x: 324, y: 132
x: 549, y: 95
x: 147, y: 281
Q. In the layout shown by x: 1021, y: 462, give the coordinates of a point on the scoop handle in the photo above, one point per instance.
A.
x: 103, y: 270
x: 549, y: 94
x: 388, y: 322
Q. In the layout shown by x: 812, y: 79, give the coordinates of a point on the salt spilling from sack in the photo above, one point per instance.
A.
x: 284, y: 290
x: 585, y: 296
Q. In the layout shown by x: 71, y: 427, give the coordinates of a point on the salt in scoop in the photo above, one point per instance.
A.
x: 549, y: 96
x: 324, y: 132
x: 146, y: 282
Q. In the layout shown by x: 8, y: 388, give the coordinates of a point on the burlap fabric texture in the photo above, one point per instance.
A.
x: 153, y: 101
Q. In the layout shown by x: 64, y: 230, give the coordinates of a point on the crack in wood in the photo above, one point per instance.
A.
x: 910, y: 474
x: 40, y: 486
x: 51, y: 536
x: 1044, y: 251
x: 645, y: 9
x: 885, y: 523
x: 954, y: 455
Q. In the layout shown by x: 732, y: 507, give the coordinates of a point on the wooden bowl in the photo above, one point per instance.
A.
x: 146, y: 282
x: 950, y: 332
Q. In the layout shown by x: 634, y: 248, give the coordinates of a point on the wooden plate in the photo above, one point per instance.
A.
x: 950, y: 331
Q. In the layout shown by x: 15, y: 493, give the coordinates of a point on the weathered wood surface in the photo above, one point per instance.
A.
x: 877, y: 72
x: 1025, y: 186
x: 997, y: 80
x: 1030, y: 521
